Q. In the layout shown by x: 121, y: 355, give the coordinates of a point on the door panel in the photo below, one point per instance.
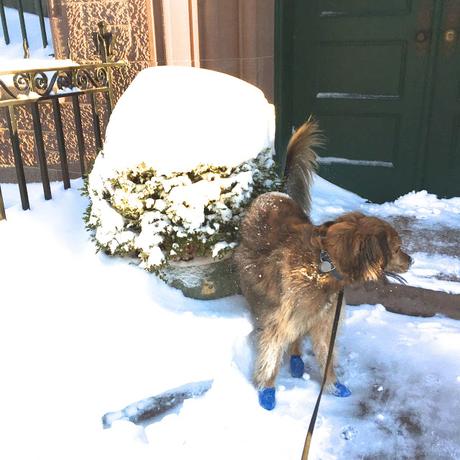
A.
x: 356, y: 130
x: 337, y: 68
x: 359, y: 69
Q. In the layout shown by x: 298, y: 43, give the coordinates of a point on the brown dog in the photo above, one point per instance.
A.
x: 291, y: 270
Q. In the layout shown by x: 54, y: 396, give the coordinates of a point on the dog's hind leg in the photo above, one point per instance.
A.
x: 270, y: 349
x: 269, y: 354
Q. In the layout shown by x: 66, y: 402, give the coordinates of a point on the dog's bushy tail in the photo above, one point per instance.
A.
x: 301, y: 162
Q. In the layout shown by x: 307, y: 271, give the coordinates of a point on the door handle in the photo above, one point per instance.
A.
x: 450, y: 35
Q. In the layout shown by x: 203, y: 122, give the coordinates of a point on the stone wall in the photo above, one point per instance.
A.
x: 232, y: 36
x: 73, y: 23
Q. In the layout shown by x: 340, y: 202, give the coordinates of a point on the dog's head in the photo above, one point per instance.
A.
x: 364, y: 248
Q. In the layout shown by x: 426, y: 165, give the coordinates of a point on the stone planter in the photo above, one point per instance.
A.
x: 203, y: 278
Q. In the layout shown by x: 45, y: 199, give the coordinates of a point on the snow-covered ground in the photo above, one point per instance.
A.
x: 83, y: 334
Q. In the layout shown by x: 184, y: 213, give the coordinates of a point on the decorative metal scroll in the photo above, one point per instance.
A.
x: 41, y: 83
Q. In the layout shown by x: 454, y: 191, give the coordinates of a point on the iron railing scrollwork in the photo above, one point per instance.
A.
x: 18, y: 85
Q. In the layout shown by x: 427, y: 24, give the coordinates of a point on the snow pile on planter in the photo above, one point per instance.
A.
x: 186, y: 150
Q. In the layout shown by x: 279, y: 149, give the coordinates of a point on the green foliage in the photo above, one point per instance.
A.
x: 147, y: 216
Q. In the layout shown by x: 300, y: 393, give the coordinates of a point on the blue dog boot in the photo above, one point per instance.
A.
x: 340, y: 390
x: 297, y: 366
x: 267, y: 398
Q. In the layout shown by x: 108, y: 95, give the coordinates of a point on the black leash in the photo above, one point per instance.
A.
x: 306, y: 447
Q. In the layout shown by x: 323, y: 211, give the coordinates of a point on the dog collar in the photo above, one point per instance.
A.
x: 327, y: 266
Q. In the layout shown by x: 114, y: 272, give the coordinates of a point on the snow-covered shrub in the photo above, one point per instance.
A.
x: 186, y: 150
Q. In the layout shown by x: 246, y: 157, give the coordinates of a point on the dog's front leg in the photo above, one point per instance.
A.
x: 296, y: 363
x: 320, y: 337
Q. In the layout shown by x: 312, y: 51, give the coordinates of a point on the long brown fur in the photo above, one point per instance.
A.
x: 301, y: 162
x: 278, y: 263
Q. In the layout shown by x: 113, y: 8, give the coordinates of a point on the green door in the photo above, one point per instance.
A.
x: 441, y: 169
x: 383, y: 79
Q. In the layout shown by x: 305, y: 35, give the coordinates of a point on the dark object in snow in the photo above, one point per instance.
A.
x: 297, y: 366
x: 145, y: 412
x: 348, y: 433
x: 267, y: 398
x: 395, y: 276
x: 340, y: 390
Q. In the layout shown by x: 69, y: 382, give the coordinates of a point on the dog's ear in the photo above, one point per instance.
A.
x: 373, y: 256
x: 342, y: 245
x: 359, y: 256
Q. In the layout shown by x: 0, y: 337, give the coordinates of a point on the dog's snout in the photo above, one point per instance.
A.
x: 411, y: 261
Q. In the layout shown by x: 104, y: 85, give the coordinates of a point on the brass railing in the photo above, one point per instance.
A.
x: 18, y: 87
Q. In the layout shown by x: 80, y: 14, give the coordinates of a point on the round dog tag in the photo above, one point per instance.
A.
x: 325, y: 266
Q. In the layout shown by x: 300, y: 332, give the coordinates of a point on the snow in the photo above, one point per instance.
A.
x: 427, y: 268
x: 219, y: 247
x: 137, y: 211
x: 11, y: 55
x: 424, y: 206
x: 178, y: 136
x: 174, y: 118
x: 84, y: 334
x: 347, y: 161
x: 32, y: 64
x: 325, y: 95
x: 76, y: 336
